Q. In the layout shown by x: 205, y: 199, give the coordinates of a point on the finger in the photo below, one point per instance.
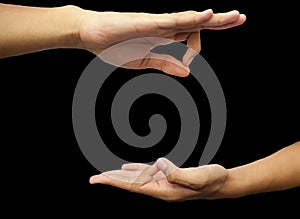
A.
x: 197, y: 28
x: 239, y: 22
x: 147, y: 174
x: 194, y: 44
x: 216, y: 20
x: 163, y: 62
x: 179, y: 36
x: 148, y: 24
x: 158, y: 176
x: 106, y: 180
x: 133, y: 49
x: 114, y: 175
x: 220, y: 19
x: 154, y: 172
x: 117, y: 175
x: 178, y: 175
x: 185, y: 33
x: 134, y: 166
x: 166, y: 166
x: 193, y: 41
x: 193, y: 178
x: 189, y: 56
x: 181, y: 19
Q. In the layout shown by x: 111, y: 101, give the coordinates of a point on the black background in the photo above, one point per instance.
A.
x: 256, y: 63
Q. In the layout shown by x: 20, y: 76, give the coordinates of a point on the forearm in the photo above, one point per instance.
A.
x: 278, y: 171
x: 28, y: 29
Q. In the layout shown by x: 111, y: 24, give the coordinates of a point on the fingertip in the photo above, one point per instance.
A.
x: 167, y: 167
x: 208, y: 11
x: 167, y: 64
x: 234, y: 12
x: 181, y: 71
x: 185, y: 74
x: 92, y: 180
x: 127, y: 166
x: 205, y: 15
x: 243, y: 18
x: 162, y: 164
x: 96, y: 179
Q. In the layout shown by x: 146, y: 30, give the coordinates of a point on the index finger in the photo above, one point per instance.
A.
x: 134, y: 166
x: 181, y: 19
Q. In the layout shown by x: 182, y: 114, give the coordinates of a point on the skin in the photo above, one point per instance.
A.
x: 164, y: 180
x: 31, y: 29
x: 34, y: 29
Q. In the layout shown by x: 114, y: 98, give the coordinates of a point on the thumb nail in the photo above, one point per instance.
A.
x: 161, y: 164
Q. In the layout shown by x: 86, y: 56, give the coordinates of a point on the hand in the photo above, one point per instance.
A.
x: 166, y: 181
x: 99, y: 31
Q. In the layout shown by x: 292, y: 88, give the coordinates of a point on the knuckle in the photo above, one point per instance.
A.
x: 173, y: 177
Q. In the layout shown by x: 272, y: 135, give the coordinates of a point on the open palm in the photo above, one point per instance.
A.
x: 165, y: 181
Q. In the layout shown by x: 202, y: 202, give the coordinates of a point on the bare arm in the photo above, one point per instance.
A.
x: 27, y: 29
x: 278, y: 171
x: 166, y: 181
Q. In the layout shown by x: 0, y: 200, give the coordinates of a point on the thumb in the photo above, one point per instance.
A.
x: 173, y: 173
x: 164, y: 62
x: 166, y: 166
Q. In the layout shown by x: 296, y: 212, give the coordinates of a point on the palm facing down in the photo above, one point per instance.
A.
x: 99, y: 31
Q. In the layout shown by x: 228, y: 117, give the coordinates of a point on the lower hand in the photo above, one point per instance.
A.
x: 164, y: 180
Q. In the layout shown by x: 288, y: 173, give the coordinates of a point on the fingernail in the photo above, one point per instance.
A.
x: 207, y: 10
x: 161, y: 164
x: 234, y: 12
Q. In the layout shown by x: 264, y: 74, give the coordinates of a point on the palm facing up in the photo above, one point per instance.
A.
x: 165, y: 181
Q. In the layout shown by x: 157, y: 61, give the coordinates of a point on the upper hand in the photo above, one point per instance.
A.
x: 166, y: 181
x: 99, y: 31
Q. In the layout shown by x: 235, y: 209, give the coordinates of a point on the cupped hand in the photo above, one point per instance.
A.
x: 164, y: 180
x: 99, y: 31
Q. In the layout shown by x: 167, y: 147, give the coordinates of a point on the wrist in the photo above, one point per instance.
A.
x: 245, y: 180
x: 230, y: 187
x: 67, y: 20
x: 227, y: 188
